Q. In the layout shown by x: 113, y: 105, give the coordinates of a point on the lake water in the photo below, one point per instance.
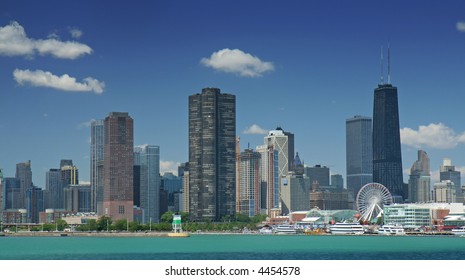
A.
x: 235, y: 247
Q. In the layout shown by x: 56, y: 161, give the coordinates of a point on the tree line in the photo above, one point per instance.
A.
x: 236, y: 222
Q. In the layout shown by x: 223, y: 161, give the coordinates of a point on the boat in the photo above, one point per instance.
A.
x: 265, y: 230
x: 285, y: 229
x: 346, y: 228
x: 391, y: 230
x: 459, y: 231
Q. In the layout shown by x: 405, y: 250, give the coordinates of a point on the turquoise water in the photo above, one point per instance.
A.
x: 235, y: 247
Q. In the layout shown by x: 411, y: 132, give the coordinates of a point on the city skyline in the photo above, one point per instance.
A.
x: 306, y: 67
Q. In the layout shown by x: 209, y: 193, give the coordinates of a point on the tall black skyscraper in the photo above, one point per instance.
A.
x: 212, y: 154
x: 387, y: 158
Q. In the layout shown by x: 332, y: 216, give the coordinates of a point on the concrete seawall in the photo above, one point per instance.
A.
x: 95, y: 234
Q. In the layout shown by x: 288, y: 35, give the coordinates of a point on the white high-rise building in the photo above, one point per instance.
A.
x: 279, y: 141
x: 269, y: 181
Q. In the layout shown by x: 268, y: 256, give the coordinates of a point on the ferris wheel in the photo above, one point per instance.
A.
x: 370, y: 201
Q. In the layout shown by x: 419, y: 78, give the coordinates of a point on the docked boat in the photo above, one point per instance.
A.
x: 265, y: 230
x: 391, y: 230
x: 346, y: 228
x: 285, y: 229
x: 459, y: 231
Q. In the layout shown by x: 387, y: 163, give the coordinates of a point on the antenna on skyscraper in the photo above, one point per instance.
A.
x: 382, y: 70
x: 389, y: 65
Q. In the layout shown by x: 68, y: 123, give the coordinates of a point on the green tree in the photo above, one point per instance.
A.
x: 167, y: 217
x: 184, y: 216
x: 239, y: 217
x: 104, y: 223
x: 61, y: 224
x: 133, y: 226
x: 259, y: 218
x: 120, y: 225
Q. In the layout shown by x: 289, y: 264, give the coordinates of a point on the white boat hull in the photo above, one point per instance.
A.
x: 459, y: 231
x: 346, y: 228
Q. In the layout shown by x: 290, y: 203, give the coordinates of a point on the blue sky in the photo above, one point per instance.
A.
x: 306, y: 66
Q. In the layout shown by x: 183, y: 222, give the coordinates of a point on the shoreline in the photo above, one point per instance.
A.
x: 94, y: 234
x: 183, y: 234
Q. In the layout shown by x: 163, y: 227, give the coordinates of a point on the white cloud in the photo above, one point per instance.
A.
x: 169, y: 166
x: 461, y: 26
x: 75, y: 33
x: 237, y: 61
x: 255, y: 129
x: 39, y: 78
x: 15, y: 42
x: 437, y: 136
x: 59, y: 49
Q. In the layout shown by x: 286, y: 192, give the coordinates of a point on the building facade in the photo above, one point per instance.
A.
x: 173, y: 185
x: 444, y: 192
x: 53, y: 189
x: 150, y: 182
x: 337, y: 181
x: 24, y: 175
x: 295, y: 189
x: 118, y: 198
x: 318, y: 174
x: 387, y: 158
x: 359, y: 153
x: 279, y: 141
x: 212, y: 157
x: 269, y: 181
x: 419, y: 185
x: 77, y: 198
x: 410, y: 216
x: 447, y: 172
x: 249, y: 183
x: 97, y: 151
x: 11, y: 193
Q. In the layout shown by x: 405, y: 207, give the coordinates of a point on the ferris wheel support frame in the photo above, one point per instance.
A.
x: 370, y: 201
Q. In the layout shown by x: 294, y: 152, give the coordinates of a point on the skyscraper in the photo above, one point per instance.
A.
x: 318, y: 174
x: 269, y: 178
x: 359, y: 153
x: 24, y: 175
x: 11, y: 193
x: 249, y: 186
x: 54, y: 189
x: 150, y: 182
x: 118, y: 197
x: 69, y: 175
x: 97, y: 152
x: 419, y: 184
x: 212, y: 156
x: 295, y: 189
x: 280, y: 142
x: 290, y: 150
x: 447, y: 172
x: 337, y: 181
x: 387, y: 158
